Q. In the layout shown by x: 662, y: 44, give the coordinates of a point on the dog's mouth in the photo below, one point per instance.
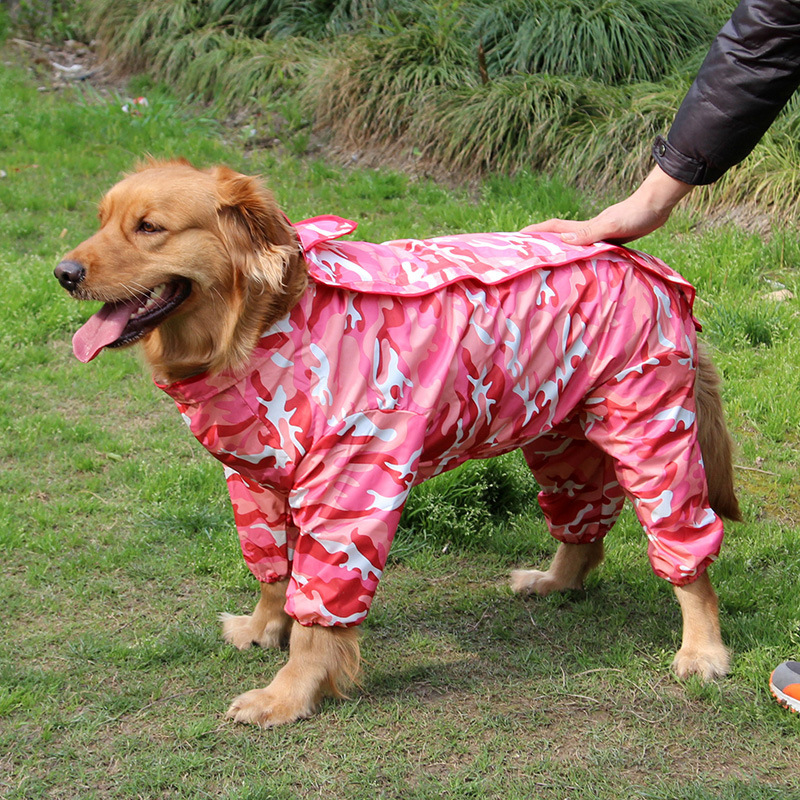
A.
x: 126, y: 321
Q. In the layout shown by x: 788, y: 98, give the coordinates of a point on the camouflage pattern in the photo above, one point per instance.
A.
x: 405, y: 359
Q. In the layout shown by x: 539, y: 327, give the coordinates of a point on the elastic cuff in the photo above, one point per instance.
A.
x: 680, y: 166
x: 683, y: 578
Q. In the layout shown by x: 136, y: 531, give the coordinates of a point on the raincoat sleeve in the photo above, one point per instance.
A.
x: 348, y: 498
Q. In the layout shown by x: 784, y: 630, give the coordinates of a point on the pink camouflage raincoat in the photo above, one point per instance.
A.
x: 405, y: 359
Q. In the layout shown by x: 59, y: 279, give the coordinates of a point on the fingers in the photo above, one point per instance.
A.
x: 572, y: 231
x: 647, y: 209
x: 552, y: 226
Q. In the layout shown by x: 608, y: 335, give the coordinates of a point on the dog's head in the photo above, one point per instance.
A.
x: 194, y: 263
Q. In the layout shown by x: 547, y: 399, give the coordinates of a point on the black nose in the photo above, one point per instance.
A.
x: 69, y: 274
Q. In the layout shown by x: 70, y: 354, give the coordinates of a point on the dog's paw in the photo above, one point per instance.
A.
x: 241, y: 632
x: 533, y: 581
x: 710, y: 663
x: 266, y: 708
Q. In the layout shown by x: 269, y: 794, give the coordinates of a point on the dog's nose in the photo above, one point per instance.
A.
x: 69, y: 274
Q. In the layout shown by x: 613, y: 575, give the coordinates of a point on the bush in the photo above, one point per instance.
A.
x: 304, y: 18
x: 471, y: 506
x: 614, y: 42
x: 51, y: 20
x: 375, y: 87
x: 526, y: 121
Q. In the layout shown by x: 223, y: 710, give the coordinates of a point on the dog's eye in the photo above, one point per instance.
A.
x: 146, y: 226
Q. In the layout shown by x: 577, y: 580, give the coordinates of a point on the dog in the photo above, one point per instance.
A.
x: 330, y: 377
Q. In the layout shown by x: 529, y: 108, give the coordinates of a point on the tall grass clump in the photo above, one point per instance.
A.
x: 233, y: 72
x: 769, y: 179
x: 616, y: 151
x: 590, y: 133
x: 471, y: 508
x: 202, y: 56
x: 614, y: 42
x: 4, y: 24
x: 512, y: 123
x: 137, y: 37
x: 373, y: 90
x: 304, y: 18
x: 451, y: 81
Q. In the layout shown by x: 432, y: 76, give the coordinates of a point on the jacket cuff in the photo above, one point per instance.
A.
x: 680, y: 166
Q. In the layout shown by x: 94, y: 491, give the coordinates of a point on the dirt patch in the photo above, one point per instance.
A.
x: 66, y: 65
x: 748, y: 218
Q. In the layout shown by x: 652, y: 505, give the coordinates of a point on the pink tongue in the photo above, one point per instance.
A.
x: 104, y: 327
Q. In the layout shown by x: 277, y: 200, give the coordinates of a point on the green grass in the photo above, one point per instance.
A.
x: 117, y: 546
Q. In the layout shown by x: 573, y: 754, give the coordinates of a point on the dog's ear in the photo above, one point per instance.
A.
x: 258, y: 236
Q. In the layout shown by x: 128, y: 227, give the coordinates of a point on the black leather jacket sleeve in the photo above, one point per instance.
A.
x: 749, y: 74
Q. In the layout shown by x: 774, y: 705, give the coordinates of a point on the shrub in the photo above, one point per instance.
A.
x: 770, y: 177
x: 139, y: 36
x: 470, y: 505
x: 614, y: 41
x: 236, y: 72
x: 517, y: 122
x: 375, y: 86
x: 304, y: 18
x: 53, y: 20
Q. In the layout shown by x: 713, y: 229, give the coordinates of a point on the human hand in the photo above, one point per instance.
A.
x: 646, y: 210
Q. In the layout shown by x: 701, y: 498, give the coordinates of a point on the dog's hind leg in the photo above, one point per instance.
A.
x: 702, y: 651
x: 321, y: 662
x: 269, y: 625
x: 571, y: 564
x: 581, y: 500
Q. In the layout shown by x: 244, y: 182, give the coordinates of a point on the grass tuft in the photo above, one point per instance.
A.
x: 612, y: 42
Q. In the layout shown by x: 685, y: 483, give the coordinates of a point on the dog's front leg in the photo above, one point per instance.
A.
x: 321, y: 661
x: 269, y: 625
x: 702, y: 651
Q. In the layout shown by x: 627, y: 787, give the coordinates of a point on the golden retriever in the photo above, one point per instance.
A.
x: 198, y: 266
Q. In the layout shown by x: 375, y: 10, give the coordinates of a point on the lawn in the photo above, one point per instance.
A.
x: 119, y: 552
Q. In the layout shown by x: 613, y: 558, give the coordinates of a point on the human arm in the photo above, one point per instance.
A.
x: 647, y: 209
x: 749, y: 74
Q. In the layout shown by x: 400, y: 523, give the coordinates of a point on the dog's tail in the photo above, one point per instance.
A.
x: 715, y: 441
